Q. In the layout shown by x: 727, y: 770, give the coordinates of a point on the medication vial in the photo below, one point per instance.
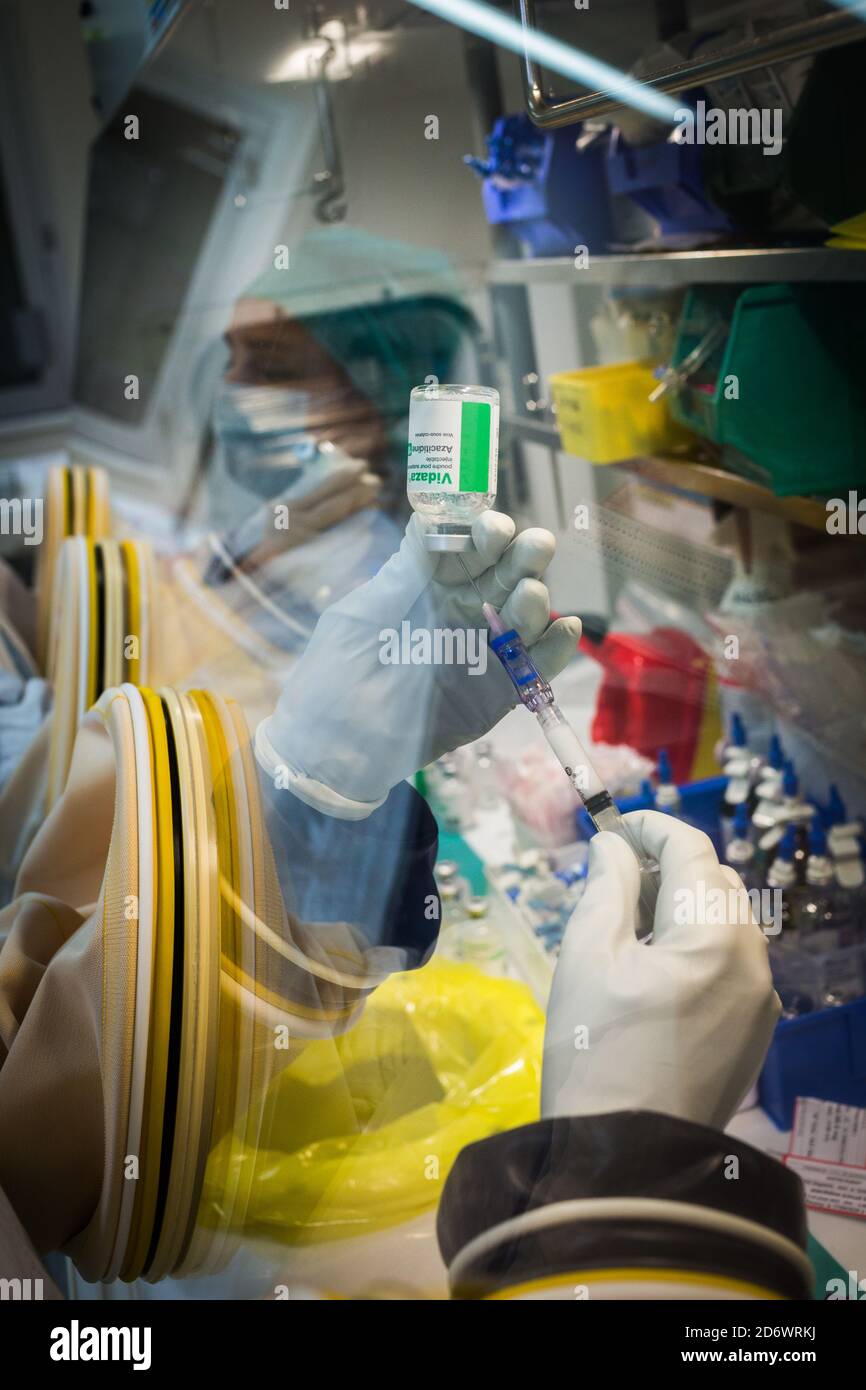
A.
x: 453, y: 455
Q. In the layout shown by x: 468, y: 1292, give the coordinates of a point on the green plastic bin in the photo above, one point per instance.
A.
x: 785, y: 392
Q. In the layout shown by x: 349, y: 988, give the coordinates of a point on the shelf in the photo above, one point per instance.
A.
x: 672, y: 269
x: 697, y: 477
x: 533, y: 431
x: 705, y: 480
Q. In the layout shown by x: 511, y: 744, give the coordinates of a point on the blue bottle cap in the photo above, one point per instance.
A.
x: 741, y: 821
x: 836, y: 807
x: 738, y: 731
x: 646, y: 790
x: 788, y: 844
x: 664, y: 767
x: 776, y: 756
x: 790, y: 781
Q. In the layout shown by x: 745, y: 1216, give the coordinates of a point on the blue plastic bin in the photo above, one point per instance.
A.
x: 666, y: 180
x: 821, y: 1054
x: 550, y: 194
x: 701, y: 802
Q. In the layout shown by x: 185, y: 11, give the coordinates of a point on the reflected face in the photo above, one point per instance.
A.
x: 268, y: 349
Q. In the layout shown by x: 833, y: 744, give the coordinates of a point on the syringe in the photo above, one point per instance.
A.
x: 536, y: 694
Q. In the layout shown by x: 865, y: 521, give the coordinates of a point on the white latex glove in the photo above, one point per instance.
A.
x: 349, y: 726
x: 680, y: 1026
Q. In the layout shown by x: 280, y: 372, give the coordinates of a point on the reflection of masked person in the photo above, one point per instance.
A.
x: 283, y: 396
x: 310, y: 420
x: 328, y: 352
x: 295, y: 462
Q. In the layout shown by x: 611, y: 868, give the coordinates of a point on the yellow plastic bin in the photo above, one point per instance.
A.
x: 605, y: 414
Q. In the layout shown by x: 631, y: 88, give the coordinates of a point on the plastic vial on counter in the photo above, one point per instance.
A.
x: 453, y: 798
x: 453, y: 890
x: 485, y: 778
x: 453, y: 460
x: 480, y: 941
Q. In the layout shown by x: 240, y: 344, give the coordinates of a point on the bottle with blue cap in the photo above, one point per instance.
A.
x: 737, y: 738
x: 818, y: 916
x: 782, y: 878
x: 836, y: 812
x: 735, y: 746
x: 843, y: 840
x: 769, y: 786
x: 667, y: 793
x: 739, y: 769
x: 792, y: 810
x: 740, y: 851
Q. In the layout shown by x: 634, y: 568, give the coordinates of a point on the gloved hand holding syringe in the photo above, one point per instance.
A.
x: 536, y: 694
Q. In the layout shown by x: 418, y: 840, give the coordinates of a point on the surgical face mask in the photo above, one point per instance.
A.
x: 265, y: 436
x: 271, y: 452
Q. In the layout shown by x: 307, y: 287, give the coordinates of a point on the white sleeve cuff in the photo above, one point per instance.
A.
x: 305, y: 788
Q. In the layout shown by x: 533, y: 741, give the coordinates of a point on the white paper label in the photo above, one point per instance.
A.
x: 828, y: 1151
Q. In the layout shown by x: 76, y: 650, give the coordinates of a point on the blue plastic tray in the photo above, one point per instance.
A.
x: 701, y: 801
x: 821, y: 1054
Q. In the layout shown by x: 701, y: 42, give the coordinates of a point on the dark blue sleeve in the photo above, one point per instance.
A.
x: 376, y: 874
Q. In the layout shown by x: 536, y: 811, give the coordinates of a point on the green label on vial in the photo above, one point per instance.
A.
x: 451, y: 446
x: 474, y: 446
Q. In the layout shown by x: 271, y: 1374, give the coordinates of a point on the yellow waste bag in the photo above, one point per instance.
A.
x: 360, y: 1131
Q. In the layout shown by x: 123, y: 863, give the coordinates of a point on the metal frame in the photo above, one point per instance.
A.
x: 32, y: 231
x: 169, y: 450
x: 675, y: 269
x: 797, y: 40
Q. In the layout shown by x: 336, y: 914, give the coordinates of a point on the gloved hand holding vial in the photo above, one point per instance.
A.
x: 397, y: 673
x: 343, y: 744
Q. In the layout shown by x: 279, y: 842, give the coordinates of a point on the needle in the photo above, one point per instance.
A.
x: 469, y: 576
